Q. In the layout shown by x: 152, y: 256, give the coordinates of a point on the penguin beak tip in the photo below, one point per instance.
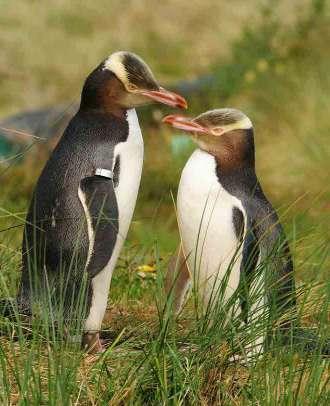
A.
x: 184, y: 123
x: 166, y: 97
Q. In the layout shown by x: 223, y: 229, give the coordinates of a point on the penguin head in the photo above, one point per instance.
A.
x: 125, y: 81
x: 216, y: 130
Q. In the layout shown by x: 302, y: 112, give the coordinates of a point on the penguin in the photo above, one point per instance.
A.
x: 84, y: 199
x: 230, y: 232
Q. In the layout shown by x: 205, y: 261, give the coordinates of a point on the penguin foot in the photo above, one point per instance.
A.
x: 91, y: 343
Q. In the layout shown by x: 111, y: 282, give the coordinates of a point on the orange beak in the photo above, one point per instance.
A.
x: 166, y: 97
x: 184, y: 123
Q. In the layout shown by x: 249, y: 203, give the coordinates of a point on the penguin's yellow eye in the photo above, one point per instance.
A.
x: 217, y: 131
x: 132, y: 87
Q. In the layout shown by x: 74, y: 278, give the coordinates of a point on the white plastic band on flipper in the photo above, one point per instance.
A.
x: 106, y: 173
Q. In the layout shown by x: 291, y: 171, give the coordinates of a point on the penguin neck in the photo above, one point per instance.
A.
x: 101, y: 94
x: 235, y: 169
x: 236, y: 152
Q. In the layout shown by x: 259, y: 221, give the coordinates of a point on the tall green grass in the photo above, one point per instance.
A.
x: 158, y: 359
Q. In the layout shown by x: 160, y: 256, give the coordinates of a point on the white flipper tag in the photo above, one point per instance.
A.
x: 106, y: 173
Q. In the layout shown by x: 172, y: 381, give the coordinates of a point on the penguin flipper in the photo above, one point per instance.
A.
x: 251, y: 255
x: 275, y: 258
x: 98, y: 198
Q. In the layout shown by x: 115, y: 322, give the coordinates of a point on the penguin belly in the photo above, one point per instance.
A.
x: 130, y: 156
x: 209, y: 239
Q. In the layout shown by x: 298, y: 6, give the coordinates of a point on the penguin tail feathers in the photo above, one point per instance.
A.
x: 308, y: 341
x: 8, y: 307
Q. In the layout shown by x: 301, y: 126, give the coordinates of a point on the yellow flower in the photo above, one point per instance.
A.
x: 146, y: 268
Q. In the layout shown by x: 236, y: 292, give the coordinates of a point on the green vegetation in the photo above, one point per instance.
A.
x: 272, y: 62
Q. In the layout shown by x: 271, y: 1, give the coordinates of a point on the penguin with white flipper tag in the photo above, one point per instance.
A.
x: 84, y: 199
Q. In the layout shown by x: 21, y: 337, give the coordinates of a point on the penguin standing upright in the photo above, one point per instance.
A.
x: 229, y: 230
x: 84, y: 200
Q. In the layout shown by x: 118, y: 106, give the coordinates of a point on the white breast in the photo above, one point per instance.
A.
x: 205, y: 213
x: 131, y: 162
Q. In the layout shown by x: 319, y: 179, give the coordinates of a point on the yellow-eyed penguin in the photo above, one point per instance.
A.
x: 228, y: 227
x: 84, y: 200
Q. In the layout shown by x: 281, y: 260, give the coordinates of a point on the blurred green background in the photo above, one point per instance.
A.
x: 270, y: 59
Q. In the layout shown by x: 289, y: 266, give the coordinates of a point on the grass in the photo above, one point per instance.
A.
x: 277, y: 71
x: 153, y: 359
